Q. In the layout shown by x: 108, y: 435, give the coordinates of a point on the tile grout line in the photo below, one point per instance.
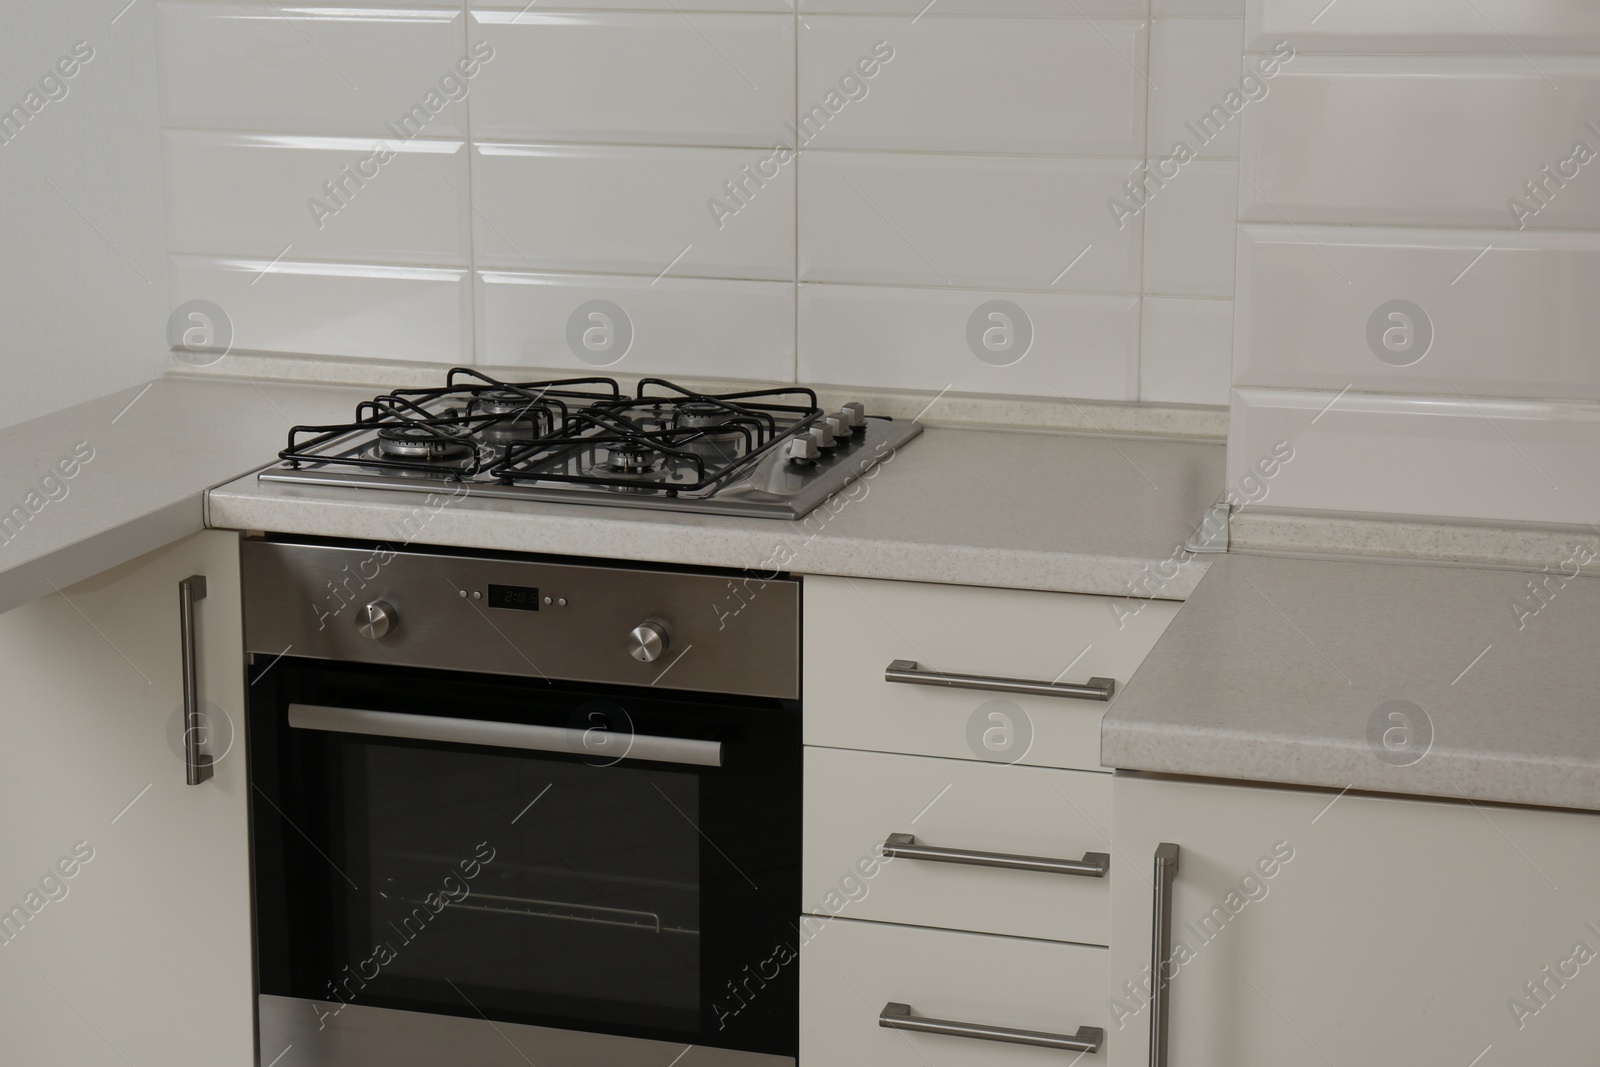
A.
x: 472, y: 224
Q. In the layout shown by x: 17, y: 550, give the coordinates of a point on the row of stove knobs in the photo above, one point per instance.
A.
x: 828, y: 433
x: 646, y: 642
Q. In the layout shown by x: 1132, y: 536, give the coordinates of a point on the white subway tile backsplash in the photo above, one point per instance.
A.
x: 325, y: 198
x: 690, y: 6
x: 985, y: 222
x: 671, y: 326
x: 335, y: 309
x: 1065, y: 86
x: 1506, y: 26
x: 931, y: 339
x: 991, y: 8
x: 1500, y: 312
x: 635, y: 210
x: 638, y: 77
x: 1189, y: 228
x: 1430, y: 456
x: 1197, y: 7
x: 1194, y: 66
x: 1185, y: 350
x: 294, y: 68
x: 1436, y: 141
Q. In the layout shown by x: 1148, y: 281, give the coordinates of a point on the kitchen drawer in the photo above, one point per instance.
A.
x: 850, y: 971
x: 855, y: 800
x: 854, y: 628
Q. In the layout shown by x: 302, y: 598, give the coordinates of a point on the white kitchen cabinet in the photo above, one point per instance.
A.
x: 850, y: 971
x: 142, y: 954
x: 856, y: 628
x: 1310, y: 928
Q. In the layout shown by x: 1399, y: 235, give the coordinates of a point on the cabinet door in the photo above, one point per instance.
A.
x: 124, y: 893
x: 1312, y: 928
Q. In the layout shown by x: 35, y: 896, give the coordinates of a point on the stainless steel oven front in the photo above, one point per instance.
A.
x: 512, y: 810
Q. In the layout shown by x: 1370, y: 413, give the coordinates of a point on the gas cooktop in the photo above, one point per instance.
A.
x: 770, y: 453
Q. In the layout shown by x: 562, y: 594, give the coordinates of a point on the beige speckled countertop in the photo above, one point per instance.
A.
x: 1429, y: 680
x: 1083, y: 514
x: 140, y: 462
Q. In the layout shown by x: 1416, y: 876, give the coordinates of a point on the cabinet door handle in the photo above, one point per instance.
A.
x: 899, y: 1017
x: 197, y: 764
x: 907, y: 672
x: 1161, y: 951
x: 904, y: 846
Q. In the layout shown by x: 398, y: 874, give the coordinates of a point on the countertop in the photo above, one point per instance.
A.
x: 1083, y: 514
x: 141, y: 461
x: 1426, y: 680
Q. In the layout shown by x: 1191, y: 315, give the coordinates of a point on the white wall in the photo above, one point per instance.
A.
x: 591, y: 161
x: 83, y: 286
x: 1388, y: 165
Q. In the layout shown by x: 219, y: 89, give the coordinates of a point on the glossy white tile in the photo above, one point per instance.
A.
x: 637, y: 77
x: 1066, y: 86
x: 672, y: 326
x: 1493, y: 313
x: 1067, y: 8
x: 1194, y: 78
x: 1505, y: 26
x: 333, y: 309
x: 332, y: 198
x: 1438, y: 141
x: 1431, y: 456
x: 1197, y: 7
x: 703, y: 212
x: 1185, y: 350
x: 1018, y: 344
x: 987, y: 222
x: 297, y: 68
x: 689, y: 6
x: 1189, y: 231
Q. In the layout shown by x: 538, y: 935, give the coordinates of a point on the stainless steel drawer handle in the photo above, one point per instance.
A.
x: 197, y: 765
x: 907, y: 671
x: 899, y: 1017
x: 505, y: 735
x: 904, y: 846
x: 1166, y: 870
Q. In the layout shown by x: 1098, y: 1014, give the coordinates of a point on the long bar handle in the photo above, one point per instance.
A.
x: 904, y: 846
x: 899, y: 1017
x: 907, y: 672
x: 516, y: 735
x: 197, y: 765
x: 1166, y: 870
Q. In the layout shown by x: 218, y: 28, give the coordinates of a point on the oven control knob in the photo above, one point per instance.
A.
x: 647, y: 642
x: 856, y: 412
x: 801, y: 450
x: 377, y: 619
x: 822, y: 434
x: 841, y: 426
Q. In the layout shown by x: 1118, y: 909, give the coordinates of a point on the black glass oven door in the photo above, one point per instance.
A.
x: 619, y: 861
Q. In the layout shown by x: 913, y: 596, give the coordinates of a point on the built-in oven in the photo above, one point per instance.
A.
x: 512, y: 810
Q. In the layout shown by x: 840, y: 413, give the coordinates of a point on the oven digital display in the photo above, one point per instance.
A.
x: 519, y: 597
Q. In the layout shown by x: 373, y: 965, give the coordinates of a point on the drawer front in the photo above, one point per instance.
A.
x: 855, y: 800
x: 854, y: 629
x: 850, y: 971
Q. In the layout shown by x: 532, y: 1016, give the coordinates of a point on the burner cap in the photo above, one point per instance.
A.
x: 424, y: 442
x: 505, y: 402
x: 700, y: 414
x: 632, y: 457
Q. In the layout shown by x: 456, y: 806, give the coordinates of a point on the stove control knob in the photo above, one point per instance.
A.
x: 377, y: 619
x: 840, y: 425
x: 856, y: 412
x: 822, y: 434
x: 647, y: 642
x: 801, y: 450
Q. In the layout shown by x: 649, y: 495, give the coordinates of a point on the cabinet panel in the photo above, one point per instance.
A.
x: 855, y: 800
x: 855, y: 628
x: 851, y: 970
x: 1313, y: 928
x: 142, y: 954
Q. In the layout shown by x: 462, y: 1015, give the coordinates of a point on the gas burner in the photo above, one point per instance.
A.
x: 435, y: 444
x: 702, y: 414
x: 633, y: 457
x: 507, y: 402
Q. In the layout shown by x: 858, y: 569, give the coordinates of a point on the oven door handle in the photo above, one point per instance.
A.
x: 596, y: 744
